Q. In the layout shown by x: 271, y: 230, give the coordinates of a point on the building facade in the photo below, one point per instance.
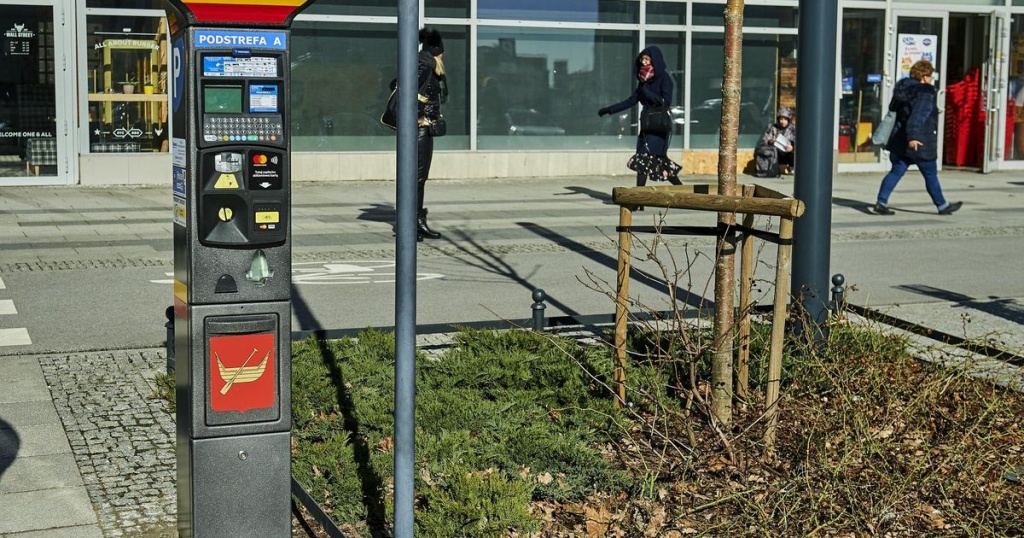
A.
x: 83, y: 84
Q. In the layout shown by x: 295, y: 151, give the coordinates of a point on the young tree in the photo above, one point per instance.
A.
x: 725, y: 266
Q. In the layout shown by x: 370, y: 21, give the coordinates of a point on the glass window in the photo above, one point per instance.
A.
x: 126, y: 78
x: 452, y: 9
x: 28, y: 109
x: 127, y: 4
x: 961, y: 2
x: 341, y: 76
x: 762, y: 16
x: 542, y: 88
x: 666, y: 13
x: 861, y: 83
x: 621, y: 11
x: 1015, y: 151
x: 769, y: 81
x: 378, y: 8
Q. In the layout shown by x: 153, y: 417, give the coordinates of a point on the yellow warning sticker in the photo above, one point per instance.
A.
x: 226, y: 181
x: 267, y: 216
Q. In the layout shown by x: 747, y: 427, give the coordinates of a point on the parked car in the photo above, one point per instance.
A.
x: 707, y: 118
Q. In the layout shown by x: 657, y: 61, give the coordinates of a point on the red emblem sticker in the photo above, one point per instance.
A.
x: 242, y: 372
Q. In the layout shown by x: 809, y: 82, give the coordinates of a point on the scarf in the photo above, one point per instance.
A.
x: 646, y: 73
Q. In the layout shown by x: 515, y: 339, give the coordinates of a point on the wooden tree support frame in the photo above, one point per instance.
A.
x: 756, y: 200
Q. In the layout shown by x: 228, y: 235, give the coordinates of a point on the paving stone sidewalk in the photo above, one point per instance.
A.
x: 121, y: 435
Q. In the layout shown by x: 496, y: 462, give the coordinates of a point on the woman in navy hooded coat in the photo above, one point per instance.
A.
x: 654, y: 88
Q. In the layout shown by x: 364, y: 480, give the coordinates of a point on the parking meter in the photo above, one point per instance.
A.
x: 231, y: 173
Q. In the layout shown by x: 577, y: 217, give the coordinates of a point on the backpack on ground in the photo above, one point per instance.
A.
x: 766, y: 162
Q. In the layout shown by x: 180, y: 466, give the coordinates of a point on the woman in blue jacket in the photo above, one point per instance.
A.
x: 915, y: 138
x: 654, y: 88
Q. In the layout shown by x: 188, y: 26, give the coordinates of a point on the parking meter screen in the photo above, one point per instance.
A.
x: 242, y: 66
x: 222, y: 99
x: 263, y: 98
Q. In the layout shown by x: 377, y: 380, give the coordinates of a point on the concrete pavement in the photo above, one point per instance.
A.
x: 85, y: 451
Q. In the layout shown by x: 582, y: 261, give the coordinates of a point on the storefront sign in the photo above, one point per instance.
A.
x: 25, y: 134
x: 911, y: 49
x: 18, y: 40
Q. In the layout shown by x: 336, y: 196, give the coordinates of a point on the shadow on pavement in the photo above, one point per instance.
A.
x: 378, y: 213
x: 302, y: 312
x: 9, y: 445
x: 478, y: 256
x: 1007, y: 309
x: 597, y: 195
x: 854, y: 204
x: 653, y: 281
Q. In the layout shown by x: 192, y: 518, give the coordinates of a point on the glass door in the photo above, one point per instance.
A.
x: 33, y: 129
x: 920, y: 36
x: 861, y: 105
x: 993, y: 91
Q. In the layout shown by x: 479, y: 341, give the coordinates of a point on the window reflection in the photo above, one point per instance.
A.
x: 28, y: 112
x: 541, y: 88
x: 372, y: 8
x: 769, y: 82
x: 341, y: 76
x: 764, y: 16
x: 1015, y: 150
x: 454, y: 9
x: 622, y: 11
x: 126, y: 78
x: 861, y: 83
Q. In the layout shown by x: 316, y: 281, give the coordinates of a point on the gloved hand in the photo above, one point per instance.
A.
x: 604, y: 112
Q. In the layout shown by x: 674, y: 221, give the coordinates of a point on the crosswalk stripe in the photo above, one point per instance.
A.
x: 2, y: 286
x: 7, y: 307
x: 14, y: 337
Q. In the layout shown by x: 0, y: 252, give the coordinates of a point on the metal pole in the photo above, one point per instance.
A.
x: 815, y: 100
x: 405, y: 282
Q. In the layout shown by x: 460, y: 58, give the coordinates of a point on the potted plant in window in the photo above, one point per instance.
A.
x: 128, y: 86
x: 147, y: 87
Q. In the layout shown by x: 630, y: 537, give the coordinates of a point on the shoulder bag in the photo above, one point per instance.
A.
x: 656, y: 119
x: 390, y: 115
x: 438, y: 127
x: 884, y: 130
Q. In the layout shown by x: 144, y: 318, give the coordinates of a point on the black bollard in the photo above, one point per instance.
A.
x: 538, y: 309
x: 838, y: 295
x: 169, y: 344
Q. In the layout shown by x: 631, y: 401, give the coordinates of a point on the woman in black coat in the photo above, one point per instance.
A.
x: 433, y: 85
x: 653, y: 89
x: 915, y: 138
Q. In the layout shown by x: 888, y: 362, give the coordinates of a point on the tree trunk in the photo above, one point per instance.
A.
x: 725, y: 266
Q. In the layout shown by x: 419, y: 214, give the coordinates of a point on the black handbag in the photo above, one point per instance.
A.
x: 390, y: 115
x: 439, y: 127
x: 656, y: 119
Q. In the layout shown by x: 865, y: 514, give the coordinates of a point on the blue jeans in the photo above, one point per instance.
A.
x: 900, y: 164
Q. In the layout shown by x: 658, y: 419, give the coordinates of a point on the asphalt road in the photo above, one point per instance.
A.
x: 503, y: 240
x: 92, y: 309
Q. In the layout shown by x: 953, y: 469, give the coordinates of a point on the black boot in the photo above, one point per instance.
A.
x: 422, y: 230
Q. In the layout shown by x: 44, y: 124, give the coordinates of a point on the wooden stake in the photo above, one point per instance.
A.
x: 622, y: 304
x: 771, y: 397
x: 746, y: 282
